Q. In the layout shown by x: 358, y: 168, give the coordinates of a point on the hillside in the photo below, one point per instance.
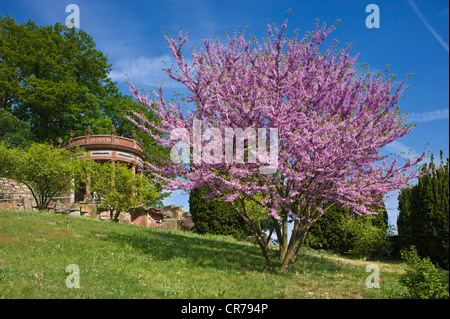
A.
x: 126, y: 261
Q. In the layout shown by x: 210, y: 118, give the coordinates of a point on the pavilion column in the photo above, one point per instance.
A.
x: 88, y: 186
x: 141, y: 186
x: 133, y: 175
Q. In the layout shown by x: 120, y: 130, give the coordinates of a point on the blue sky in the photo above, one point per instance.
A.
x: 412, y: 38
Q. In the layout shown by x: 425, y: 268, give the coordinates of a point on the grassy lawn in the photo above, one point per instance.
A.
x: 126, y: 261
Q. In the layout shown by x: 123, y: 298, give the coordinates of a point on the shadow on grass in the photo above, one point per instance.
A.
x: 217, y: 253
x: 315, y: 264
x: 194, y: 249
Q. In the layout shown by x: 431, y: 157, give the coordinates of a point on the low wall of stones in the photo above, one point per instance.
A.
x: 15, y: 195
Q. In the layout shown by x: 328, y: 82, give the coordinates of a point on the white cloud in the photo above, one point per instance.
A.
x: 401, y: 149
x: 144, y: 71
x: 428, y: 116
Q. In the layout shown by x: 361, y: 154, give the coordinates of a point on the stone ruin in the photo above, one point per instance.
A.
x: 15, y: 195
x: 174, y: 217
x: 169, y: 217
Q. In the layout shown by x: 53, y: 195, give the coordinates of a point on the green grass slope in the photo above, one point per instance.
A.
x: 126, y: 261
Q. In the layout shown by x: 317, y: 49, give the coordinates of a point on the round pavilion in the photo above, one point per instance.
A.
x: 102, y: 148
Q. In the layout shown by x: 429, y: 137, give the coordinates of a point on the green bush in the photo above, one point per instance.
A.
x: 362, y: 238
x: 326, y: 232
x: 423, y: 280
x: 337, y: 230
x: 45, y: 169
x: 215, y: 216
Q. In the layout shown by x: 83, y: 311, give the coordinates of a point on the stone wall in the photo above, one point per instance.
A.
x: 169, y: 217
x: 145, y: 216
x: 15, y: 195
x: 176, y: 218
x: 172, y: 211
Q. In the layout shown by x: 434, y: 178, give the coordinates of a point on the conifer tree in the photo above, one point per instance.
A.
x: 424, y: 214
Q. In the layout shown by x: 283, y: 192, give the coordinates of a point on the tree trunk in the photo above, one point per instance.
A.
x: 259, y: 236
x: 296, y: 242
x: 263, y: 244
x: 283, y: 239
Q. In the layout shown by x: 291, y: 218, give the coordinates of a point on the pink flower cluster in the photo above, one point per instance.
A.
x: 332, y: 122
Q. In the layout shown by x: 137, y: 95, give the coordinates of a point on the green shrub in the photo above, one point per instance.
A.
x: 215, y: 216
x: 326, y: 232
x: 337, y: 230
x: 362, y: 238
x: 423, y: 280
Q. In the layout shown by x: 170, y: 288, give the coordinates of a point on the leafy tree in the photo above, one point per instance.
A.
x: 46, y: 170
x: 327, y: 124
x: 13, y: 132
x: 118, y: 189
x: 54, y: 79
x: 423, y: 219
x: 215, y: 216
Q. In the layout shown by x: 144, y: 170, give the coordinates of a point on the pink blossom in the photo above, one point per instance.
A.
x: 332, y: 122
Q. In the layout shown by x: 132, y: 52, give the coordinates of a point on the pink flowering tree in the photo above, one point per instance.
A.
x: 318, y: 122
